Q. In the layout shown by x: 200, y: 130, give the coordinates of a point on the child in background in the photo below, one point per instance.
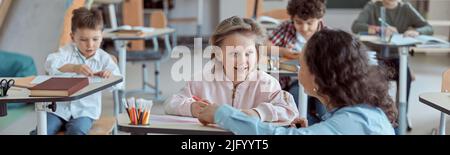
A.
x: 82, y: 57
x: 401, y: 17
x: 291, y: 36
x: 241, y: 85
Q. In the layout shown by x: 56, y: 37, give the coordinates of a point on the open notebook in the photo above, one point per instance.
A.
x: 422, y: 41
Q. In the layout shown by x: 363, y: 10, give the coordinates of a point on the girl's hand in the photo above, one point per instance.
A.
x: 206, y: 116
x: 198, y: 106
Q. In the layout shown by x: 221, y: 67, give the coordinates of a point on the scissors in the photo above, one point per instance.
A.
x: 5, y: 85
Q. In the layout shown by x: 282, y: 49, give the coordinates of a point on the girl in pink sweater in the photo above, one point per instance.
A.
x: 236, y: 79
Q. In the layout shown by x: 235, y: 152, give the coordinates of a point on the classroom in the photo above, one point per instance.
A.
x: 224, y: 67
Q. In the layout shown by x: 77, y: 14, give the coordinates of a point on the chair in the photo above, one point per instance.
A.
x: 446, y: 81
x: 445, y: 88
x: 156, y: 55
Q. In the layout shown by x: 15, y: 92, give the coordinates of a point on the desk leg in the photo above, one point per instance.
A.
x: 403, y: 53
x: 157, y: 67
x: 167, y: 43
x: 117, y: 108
x: 41, y: 112
x: 303, y: 102
x: 121, y: 47
x: 442, y: 124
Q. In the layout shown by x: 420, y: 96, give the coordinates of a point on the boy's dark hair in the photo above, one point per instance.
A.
x: 306, y: 9
x: 84, y: 18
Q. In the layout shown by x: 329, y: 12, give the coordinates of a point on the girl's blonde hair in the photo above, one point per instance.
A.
x: 236, y: 24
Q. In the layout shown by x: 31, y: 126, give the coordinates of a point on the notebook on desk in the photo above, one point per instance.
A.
x: 60, y: 87
x: 422, y: 41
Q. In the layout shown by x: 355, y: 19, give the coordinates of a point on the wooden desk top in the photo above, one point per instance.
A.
x: 21, y: 95
x: 437, y: 100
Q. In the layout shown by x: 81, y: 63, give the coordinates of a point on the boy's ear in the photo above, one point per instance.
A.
x: 71, y: 36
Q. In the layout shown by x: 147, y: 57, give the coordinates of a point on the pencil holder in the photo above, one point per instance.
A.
x: 138, y: 111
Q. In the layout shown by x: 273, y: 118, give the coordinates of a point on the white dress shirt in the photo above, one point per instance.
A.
x: 89, y: 106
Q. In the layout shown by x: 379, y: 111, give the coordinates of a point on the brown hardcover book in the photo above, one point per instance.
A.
x: 59, y: 87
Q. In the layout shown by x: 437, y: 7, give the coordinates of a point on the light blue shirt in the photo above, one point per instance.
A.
x: 361, y: 119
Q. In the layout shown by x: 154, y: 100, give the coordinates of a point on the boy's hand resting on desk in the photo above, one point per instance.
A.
x: 373, y: 29
x: 206, y: 116
x: 291, y: 55
x: 103, y: 74
x: 390, y: 30
x: 411, y: 33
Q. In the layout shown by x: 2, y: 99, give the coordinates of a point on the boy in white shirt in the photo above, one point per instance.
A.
x: 82, y: 57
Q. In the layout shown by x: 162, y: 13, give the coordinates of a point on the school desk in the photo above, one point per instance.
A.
x: 439, y: 101
x: 403, y: 54
x: 170, y: 124
x: 22, y: 95
x: 121, y: 47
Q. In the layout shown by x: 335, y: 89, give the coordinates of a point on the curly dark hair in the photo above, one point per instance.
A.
x: 343, y: 73
x: 306, y: 9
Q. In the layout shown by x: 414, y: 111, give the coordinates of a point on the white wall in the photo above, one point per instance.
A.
x: 228, y: 8
x: 33, y: 28
x: 341, y: 18
x: 440, y: 10
x: 188, y: 8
